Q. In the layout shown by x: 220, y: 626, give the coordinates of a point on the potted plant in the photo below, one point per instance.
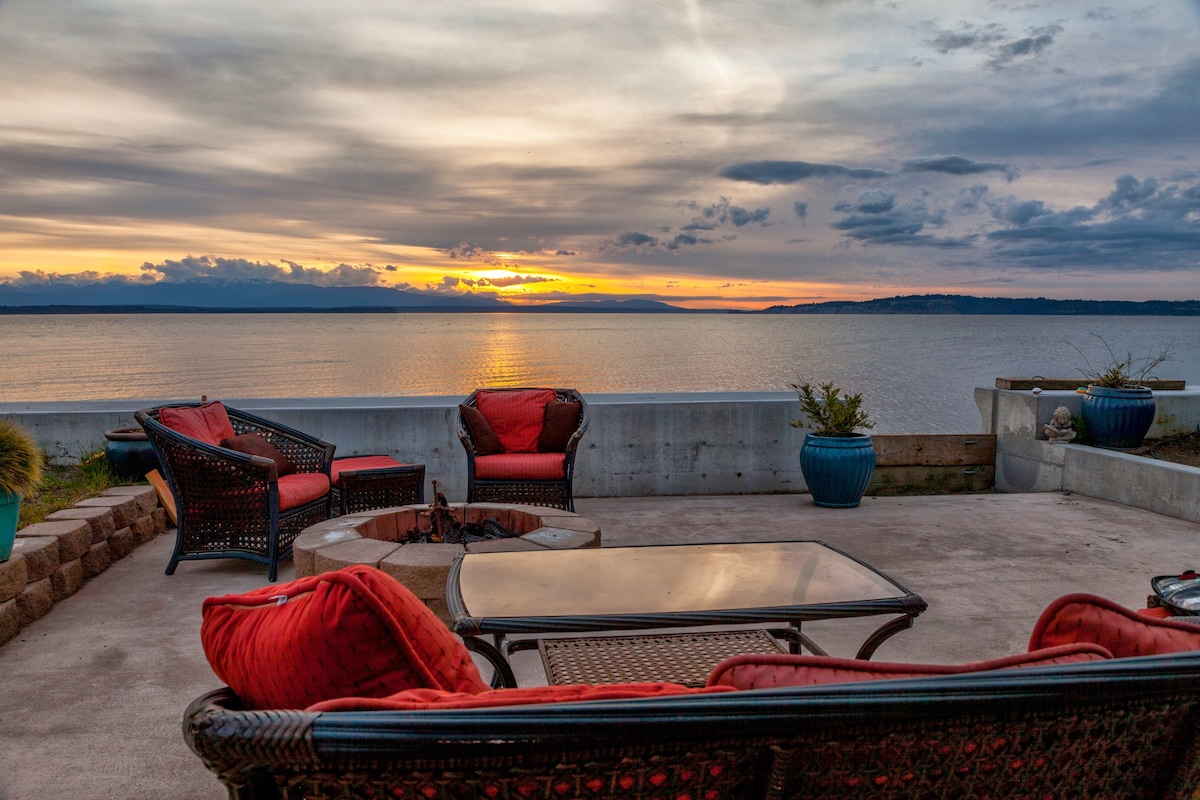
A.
x: 836, y: 459
x: 20, y: 473
x: 1118, y: 409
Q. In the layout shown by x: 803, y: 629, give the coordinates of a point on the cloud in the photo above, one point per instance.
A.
x: 636, y: 239
x: 875, y: 201
x: 994, y: 40
x: 515, y: 280
x: 740, y: 216
x: 967, y: 36
x: 1034, y: 44
x: 873, y: 218
x: 241, y: 269
x: 801, y: 208
x: 769, y: 172
x: 957, y: 165
x: 1139, y: 226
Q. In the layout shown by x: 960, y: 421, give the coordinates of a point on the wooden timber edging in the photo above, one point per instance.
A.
x: 1067, y: 384
x: 933, y: 463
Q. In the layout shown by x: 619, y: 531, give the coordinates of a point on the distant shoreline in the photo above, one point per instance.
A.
x: 910, y: 304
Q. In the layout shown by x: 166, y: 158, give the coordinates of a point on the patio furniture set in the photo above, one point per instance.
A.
x: 672, y: 671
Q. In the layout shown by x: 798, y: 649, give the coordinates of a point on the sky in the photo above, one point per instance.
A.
x: 707, y: 154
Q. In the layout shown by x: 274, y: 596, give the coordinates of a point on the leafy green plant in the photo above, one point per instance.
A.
x: 20, y: 459
x: 828, y: 411
x: 1123, y: 373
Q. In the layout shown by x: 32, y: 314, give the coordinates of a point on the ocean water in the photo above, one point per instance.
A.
x: 917, y: 373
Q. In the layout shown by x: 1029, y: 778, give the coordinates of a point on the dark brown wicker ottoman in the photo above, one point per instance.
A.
x: 364, y: 483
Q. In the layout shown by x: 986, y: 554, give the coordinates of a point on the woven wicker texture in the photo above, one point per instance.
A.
x: 685, y: 658
x: 553, y: 493
x: 228, y: 502
x: 366, y: 490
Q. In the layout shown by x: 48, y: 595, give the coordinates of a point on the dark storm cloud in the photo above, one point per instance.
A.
x: 636, y: 239
x: 768, y: 172
x: 1140, y: 225
x: 957, y: 165
x: 740, y: 216
x: 873, y: 218
x: 993, y: 40
x: 875, y: 201
x: 710, y: 217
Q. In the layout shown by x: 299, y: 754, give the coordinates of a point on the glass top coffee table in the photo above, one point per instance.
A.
x: 666, y: 586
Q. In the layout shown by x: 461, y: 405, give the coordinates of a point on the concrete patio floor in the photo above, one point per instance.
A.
x: 96, y: 689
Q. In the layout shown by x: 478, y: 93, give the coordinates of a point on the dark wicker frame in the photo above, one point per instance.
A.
x: 1116, y: 729
x: 367, y: 489
x: 557, y: 494
x: 228, y: 502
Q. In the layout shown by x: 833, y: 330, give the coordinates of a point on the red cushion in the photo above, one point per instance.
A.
x: 522, y: 466
x: 482, y: 436
x: 1158, y: 612
x: 209, y: 423
x: 770, y: 671
x: 420, y: 699
x: 354, y: 632
x: 1087, y: 618
x: 559, y: 423
x: 255, y: 445
x: 355, y: 463
x: 300, y: 488
x: 515, y: 415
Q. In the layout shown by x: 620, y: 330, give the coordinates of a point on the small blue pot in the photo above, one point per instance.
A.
x: 837, y: 469
x: 1118, y: 418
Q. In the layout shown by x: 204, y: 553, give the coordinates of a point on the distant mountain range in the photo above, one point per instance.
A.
x: 213, y: 295
x: 964, y: 304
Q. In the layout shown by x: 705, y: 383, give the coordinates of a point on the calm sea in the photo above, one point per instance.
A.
x: 917, y: 373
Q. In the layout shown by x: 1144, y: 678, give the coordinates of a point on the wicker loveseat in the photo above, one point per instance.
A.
x: 348, y: 687
x: 521, y: 445
x: 230, y: 503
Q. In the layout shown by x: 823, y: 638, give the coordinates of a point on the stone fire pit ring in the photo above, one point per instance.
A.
x: 375, y: 538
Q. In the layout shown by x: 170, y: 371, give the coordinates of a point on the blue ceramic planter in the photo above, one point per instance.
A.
x: 837, y: 469
x: 130, y: 453
x: 10, y: 514
x: 1118, y: 418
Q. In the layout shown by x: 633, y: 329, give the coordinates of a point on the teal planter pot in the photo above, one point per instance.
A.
x: 1118, y: 418
x: 837, y: 469
x: 10, y: 513
x: 130, y: 453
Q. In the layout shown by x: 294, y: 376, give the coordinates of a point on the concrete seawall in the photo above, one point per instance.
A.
x: 638, y: 444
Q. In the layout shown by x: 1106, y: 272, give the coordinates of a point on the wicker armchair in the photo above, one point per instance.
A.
x: 542, y: 478
x: 229, y: 502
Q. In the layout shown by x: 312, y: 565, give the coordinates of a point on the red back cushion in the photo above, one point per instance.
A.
x: 209, y: 423
x: 485, y: 439
x: 1087, y: 618
x: 771, y: 671
x: 515, y: 415
x: 356, y: 632
x: 420, y: 699
x: 255, y: 445
x: 558, y: 423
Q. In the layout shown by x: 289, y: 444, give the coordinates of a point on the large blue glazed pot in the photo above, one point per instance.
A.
x: 837, y: 469
x: 1118, y: 418
x: 10, y: 515
x: 130, y: 453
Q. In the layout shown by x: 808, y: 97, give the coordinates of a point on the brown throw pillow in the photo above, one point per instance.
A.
x: 559, y: 422
x: 487, y: 443
x: 255, y: 445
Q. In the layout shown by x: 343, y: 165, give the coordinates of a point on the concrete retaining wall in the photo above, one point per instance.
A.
x: 1027, y: 462
x: 637, y: 444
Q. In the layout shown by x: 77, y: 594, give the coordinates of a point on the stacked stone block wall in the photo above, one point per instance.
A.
x: 52, y: 559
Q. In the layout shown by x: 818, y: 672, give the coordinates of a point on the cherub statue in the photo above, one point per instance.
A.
x: 1060, y: 430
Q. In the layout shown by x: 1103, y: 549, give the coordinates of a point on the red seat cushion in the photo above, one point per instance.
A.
x: 300, y: 488
x: 522, y: 466
x: 421, y: 699
x: 254, y: 444
x: 1087, y: 618
x: 515, y: 415
x: 354, y: 632
x: 771, y: 671
x: 208, y: 423
x: 355, y: 463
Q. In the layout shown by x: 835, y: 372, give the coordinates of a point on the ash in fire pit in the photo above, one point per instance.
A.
x: 443, y: 527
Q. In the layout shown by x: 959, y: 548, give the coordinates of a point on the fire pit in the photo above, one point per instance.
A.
x: 400, y: 541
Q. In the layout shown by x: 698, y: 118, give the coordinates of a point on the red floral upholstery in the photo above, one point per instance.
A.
x: 209, y: 423
x: 770, y: 671
x: 522, y: 466
x: 421, y: 699
x: 301, y: 487
x: 515, y: 416
x: 356, y: 632
x: 1087, y: 618
x: 355, y: 463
